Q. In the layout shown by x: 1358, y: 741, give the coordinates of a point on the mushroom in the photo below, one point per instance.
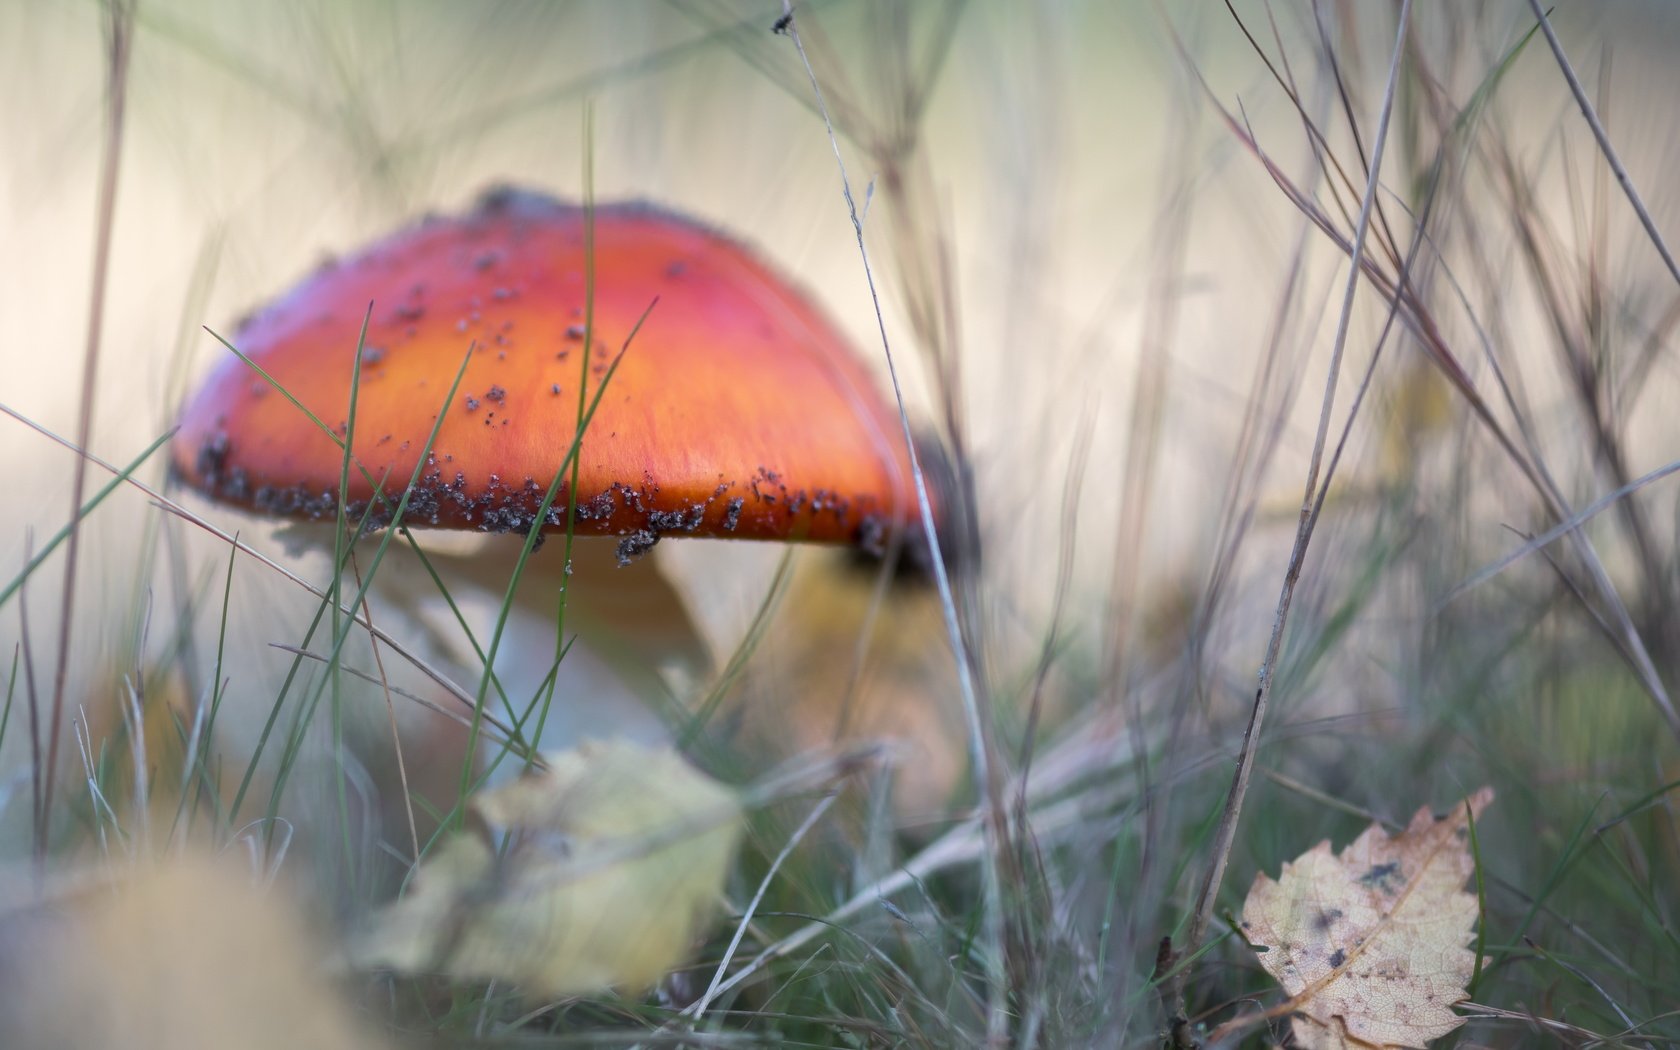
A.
x: 735, y: 408
x: 732, y: 406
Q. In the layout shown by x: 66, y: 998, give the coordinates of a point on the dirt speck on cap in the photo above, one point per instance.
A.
x: 635, y: 545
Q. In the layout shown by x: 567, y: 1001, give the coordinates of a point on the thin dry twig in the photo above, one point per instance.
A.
x: 1603, y: 138
x: 1225, y: 835
x: 751, y: 909
x: 120, y: 27
x: 34, y: 698
x: 1616, y: 622
x: 1561, y: 529
x: 980, y: 748
x: 1053, y: 818
x: 1617, y: 627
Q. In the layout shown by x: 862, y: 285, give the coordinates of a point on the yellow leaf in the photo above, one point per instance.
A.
x: 1371, y: 944
x: 598, y: 873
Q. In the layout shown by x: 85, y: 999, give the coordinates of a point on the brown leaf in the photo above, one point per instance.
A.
x: 1371, y: 944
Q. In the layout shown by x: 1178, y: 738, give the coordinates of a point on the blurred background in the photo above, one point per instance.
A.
x: 1113, y: 317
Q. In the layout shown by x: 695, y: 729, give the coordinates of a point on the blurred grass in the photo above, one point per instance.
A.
x: 1015, y: 160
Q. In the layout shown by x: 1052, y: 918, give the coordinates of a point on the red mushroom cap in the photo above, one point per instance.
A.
x: 738, y: 408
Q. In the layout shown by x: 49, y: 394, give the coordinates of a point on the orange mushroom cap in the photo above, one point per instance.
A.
x: 737, y: 409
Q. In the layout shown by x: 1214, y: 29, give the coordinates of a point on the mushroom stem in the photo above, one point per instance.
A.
x: 639, y: 644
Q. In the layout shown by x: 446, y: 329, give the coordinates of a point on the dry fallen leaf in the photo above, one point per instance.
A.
x: 609, y: 864
x: 183, y: 953
x: 1371, y: 944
